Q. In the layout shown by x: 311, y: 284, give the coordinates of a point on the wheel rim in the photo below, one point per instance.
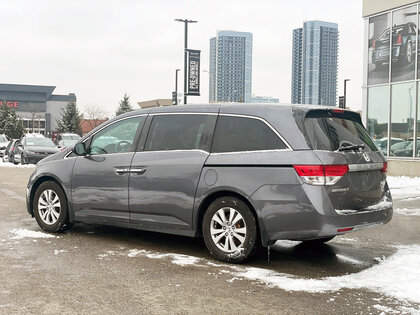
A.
x: 228, y: 229
x: 409, y: 52
x: 49, y: 206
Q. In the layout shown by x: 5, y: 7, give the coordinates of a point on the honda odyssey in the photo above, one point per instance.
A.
x: 238, y: 175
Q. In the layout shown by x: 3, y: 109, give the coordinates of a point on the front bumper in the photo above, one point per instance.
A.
x: 33, y: 158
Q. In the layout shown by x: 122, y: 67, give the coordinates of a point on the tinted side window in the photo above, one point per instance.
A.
x: 180, y: 132
x: 118, y: 137
x: 235, y: 134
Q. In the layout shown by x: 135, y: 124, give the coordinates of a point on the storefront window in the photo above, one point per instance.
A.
x: 378, y: 113
x: 378, y: 64
x: 417, y: 151
x: 402, y: 119
x: 404, y: 39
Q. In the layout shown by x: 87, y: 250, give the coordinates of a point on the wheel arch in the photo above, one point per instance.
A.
x: 217, y: 194
x: 35, y: 186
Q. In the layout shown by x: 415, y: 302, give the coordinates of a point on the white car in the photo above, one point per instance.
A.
x: 3, y: 144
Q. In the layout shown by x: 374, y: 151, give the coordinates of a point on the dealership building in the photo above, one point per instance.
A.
x: 391, y: 81
x: 36, y: 105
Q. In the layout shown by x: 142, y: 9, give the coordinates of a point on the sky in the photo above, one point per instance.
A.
x: 100, y: 50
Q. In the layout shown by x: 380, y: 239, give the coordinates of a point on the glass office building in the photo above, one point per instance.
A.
x: 230, y: 67
x: 314, y: 64
x: 391, y: 77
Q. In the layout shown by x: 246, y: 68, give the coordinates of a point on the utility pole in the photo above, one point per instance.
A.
x: 185, y: 21
x: 345, y: 93
x: 176, y: 86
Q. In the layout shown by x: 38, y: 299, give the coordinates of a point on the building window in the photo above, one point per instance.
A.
x: 402, y: 119
x: 378, y: 114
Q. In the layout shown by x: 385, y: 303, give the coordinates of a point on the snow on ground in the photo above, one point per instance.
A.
x: 406, y: 211
x: 22, y: 233
x: 395, y: 276
x: 9, y: 164
x: 403, y: 187
x: 177, y: 259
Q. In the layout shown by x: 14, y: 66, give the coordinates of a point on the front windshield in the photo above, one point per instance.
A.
x: 39, y: 142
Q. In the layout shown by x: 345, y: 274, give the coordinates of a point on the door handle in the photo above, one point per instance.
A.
x: 121, y: 171
x: 138, y: 170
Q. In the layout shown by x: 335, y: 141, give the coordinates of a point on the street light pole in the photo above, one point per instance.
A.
x: 345, y: 92
x: 185, y: 21
x: 176, y: 86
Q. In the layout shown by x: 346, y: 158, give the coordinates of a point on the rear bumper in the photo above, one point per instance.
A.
x: 289, y: 213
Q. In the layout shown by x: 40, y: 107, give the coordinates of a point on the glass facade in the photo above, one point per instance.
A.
x: 392, y: 95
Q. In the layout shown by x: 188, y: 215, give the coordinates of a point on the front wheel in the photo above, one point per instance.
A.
x: 50, y: 207
x: 230, y: 230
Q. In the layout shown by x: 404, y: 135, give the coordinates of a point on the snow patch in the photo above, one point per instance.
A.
x: 394, y: 277
x: 177, y: 259
x: 403, y: 187
x: 9, y: 164
x: 406, y: 211
x: 59, y: 251
x: 22, y: 233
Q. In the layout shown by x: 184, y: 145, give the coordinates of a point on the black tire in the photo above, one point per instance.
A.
x: 250, y: 242
x: 62, y: 222
x: 408, y: 47
x: 319, y: 240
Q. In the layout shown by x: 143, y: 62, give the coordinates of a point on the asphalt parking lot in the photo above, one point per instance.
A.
x: 95, y: 269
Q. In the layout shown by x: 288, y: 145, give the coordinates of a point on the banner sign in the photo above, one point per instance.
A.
x: 193, y: 79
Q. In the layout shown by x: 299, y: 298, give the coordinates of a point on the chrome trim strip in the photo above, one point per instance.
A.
x: 365, y: 167
x: 183, y: 113
x: 247, y: 152
x: 186, y: 150
x: 264, y: 121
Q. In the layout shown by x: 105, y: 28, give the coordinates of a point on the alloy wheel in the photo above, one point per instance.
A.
x: 49, y: 206
x: 228, y: 229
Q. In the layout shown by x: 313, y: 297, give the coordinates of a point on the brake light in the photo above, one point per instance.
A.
x: 338, y: 110
x: 321, y: 174
x: 374, y: 44
x: 344, y: 230
x: 399, y: 39
x: 384, y: 167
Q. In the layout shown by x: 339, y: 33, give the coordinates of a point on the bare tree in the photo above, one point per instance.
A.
x: 94, y: 114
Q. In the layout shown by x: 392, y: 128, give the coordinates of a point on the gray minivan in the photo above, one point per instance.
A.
x: 239, y: 175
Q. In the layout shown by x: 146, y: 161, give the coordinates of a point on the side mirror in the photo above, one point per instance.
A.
x: 80, y: 149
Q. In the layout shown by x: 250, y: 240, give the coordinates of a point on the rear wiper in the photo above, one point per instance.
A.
x: 352, y: 147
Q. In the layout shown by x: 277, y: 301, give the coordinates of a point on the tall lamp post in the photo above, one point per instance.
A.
x: 185, y: 21
x: 176, y: 86
x: 345, y: 93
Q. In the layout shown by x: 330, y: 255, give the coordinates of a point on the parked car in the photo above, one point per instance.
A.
x: 408, y: 150
x: 6, y: 155
x: 403, y: 45
x: 4, y: 141
x: 237, y: 175
x: 382, y: 143
x: 34, y: 149
x: 66, y: 136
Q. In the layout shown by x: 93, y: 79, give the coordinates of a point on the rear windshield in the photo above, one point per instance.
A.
x: 39, y: 142
x: 330, y: 131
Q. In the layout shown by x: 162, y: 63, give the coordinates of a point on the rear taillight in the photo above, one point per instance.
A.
x: 384, y: 167
x: 321, y: 174
x: 399, y: 39
x: 374, y: 44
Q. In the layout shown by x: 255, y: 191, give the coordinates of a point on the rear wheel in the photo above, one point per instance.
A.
x: 50, y: 207
x: 230, y: 230
x: 319, y: 240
